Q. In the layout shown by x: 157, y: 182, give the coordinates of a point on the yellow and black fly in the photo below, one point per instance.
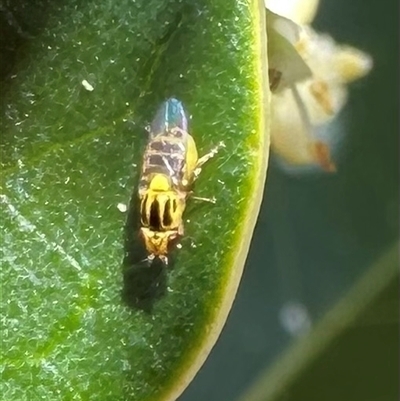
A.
x: 170, y: 167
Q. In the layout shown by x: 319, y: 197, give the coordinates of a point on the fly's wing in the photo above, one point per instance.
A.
x: 171, y: 114
x: 168, y: 145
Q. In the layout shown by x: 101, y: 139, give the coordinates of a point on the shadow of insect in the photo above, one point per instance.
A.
x: 144, y: 281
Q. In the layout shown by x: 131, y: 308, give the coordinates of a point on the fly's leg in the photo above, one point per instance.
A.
x: 164, y: 259
x: 206, y: 158
x: 197, y: 170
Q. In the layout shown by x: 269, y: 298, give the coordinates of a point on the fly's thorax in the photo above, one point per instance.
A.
x: 161, y: 206
x: 157, y: 243
x: 160, y: 183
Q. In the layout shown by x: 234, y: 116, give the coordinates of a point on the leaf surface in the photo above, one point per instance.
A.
x: 70, y: 155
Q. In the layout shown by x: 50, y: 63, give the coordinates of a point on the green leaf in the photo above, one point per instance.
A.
x: 71, y: 155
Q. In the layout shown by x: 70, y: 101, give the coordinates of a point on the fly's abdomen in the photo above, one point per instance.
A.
x: 171, y: 114
x: 166, y: 152
x: 166, y: 157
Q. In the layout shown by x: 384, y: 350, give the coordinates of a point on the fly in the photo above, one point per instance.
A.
x: 170, y: 167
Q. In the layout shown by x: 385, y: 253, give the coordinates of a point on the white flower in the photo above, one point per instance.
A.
x: 299, y: 11
x: 309, y: 74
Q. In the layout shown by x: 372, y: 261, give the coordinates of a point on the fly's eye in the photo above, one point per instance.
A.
x: 167, y: 219
x: 155, y: 222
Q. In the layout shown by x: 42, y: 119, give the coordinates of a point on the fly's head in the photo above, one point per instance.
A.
x: 158, y: 242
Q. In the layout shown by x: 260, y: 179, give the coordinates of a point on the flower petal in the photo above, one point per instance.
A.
x: 283, y: 35
x: 302, y: 104
x: 299, y: 11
